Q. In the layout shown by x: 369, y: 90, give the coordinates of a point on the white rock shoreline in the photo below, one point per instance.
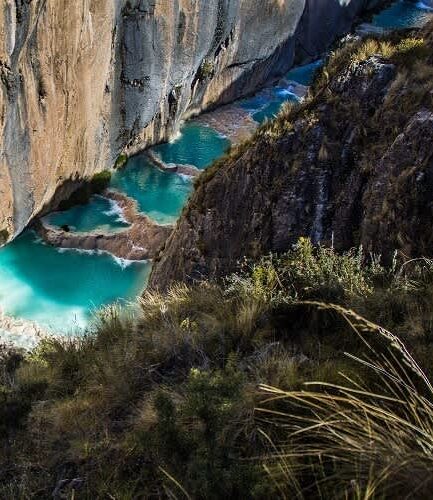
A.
x: 21, y: 333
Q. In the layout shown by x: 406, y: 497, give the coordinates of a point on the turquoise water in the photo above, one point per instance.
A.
x: 60, y: 289
x: 403, y: 14
x: 196, y: 145
x: 268, y: 112
x: 160, y: 195
x: 100, y: 214
x: 304, y: 74
x: 272, y: 107
x: 268, y: 103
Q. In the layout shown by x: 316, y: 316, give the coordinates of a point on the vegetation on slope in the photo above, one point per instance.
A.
x: 200, y: 392
x: 162, y: 401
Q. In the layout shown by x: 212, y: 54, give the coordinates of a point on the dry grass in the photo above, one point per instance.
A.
x: 352, y: 440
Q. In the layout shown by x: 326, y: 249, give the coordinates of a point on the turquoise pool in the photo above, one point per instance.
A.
x: 100, y: 214
x: 61, y: 289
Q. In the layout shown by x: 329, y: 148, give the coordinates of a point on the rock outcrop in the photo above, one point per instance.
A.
x: 352, y: 165
x: 156, y: 161
x: 83, y: 81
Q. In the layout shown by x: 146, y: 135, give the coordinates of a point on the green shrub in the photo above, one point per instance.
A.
x: 100, y: 181
x: 162, y: 395
x: 121, y: 161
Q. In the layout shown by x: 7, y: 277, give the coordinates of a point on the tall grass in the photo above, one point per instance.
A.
x: 352, y: 440
x: 159, y: 399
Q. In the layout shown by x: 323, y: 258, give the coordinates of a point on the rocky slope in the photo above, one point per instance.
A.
x: 83, y: 81
x: 352, y: 165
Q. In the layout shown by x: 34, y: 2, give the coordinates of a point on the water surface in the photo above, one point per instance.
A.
x: 100, y: 214
x: 160, y: 195
x: 196, y: 145
x: 403, y: 14
x: 60, y: 289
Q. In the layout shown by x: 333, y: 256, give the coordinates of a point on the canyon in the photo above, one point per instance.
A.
x: 244, y: 310
x: 84, y: 82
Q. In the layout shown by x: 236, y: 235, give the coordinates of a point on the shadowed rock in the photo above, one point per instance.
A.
x: 83, y: 82
x: 354, y: 168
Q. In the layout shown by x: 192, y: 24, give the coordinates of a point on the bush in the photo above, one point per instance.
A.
x: 121, y: 161
x: 357, y: 440
x: 100, y: 181
x: 160, y: 399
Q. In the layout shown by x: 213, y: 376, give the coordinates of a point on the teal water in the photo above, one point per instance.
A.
x: 273, y: 106
x: 266, y: 105
x: 403, y: 14
x: 196, y: 145
x: 160, y: 195
x: 268, y: 112
x: 100, y: 214
x: 304, y: 74
x: 60, y: 289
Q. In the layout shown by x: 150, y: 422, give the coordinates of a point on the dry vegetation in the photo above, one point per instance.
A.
x: 200, y: 392
x: 168, y: 399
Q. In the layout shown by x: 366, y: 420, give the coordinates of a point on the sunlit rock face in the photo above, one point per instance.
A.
x: 82, y: 81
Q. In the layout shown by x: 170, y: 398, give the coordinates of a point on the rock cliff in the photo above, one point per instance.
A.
x: 83, y: 81
x: 352, y: 165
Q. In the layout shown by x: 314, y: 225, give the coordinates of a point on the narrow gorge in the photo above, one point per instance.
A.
x: 216, y: 254
x: 83, y: 83
x: 134, y: 72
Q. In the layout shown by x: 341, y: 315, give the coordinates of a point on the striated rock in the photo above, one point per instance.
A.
x: 352, y: 166
x: 80, y: 82
x: 141, y: 241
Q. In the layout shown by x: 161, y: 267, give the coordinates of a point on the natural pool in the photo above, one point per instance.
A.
x: 61, y: 289
x: 100, y: 214
x: 160, y: 195
x: 196, y: 145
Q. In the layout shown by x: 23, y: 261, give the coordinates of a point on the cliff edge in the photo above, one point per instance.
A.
x: 353, y: 165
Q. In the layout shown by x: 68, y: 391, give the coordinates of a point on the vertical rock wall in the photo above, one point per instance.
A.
x: 83, y: 80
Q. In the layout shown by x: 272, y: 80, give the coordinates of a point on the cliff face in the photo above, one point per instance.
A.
x: 83, y: 81
x: 353, y: 165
